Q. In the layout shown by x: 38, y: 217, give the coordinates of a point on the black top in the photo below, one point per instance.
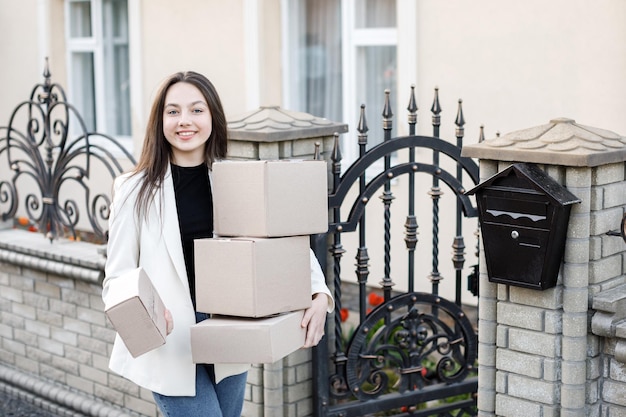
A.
x: 195, y: 212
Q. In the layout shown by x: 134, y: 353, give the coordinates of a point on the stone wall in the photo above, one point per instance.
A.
x: 538, y: 355
x: 54, y: 338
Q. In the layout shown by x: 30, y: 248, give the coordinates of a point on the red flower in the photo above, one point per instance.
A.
x: 375, y: 299
x: 344, y: 314
x: 32, y: 228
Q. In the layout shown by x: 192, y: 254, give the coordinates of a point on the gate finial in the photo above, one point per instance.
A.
x: 436, y: 109
x: 412, y: 107
x: 460, y: 122
x: 336, y: 156
x: 362, y: 127
x: 46, y: 71
x: 387, y: 113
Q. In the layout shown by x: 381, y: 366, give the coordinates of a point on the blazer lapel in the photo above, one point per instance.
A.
x: 171, y: 229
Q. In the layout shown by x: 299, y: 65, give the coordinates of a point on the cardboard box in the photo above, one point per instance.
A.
x: 247, y: 340
x: 270, y: 198
x: 137, y: 312
x: 252, y: 277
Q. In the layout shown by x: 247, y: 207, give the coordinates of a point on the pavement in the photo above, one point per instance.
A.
x: 15, y: 404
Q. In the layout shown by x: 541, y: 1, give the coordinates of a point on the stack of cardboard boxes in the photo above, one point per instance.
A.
x: 254, y: 278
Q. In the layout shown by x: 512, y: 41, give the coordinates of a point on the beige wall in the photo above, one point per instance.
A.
x: 210, y: 37
x: 20, y: 66
x: 520, y: 64
x: 514, y: 64
x: 270, y: 91
x: 204, y: 36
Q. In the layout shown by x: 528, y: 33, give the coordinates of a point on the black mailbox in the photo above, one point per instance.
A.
x: 523, y: 216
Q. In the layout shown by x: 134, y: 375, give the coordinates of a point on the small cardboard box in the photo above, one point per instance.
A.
x: 252, y: 277
x: 247, y: 340
x: 270, y: 198
x: 137, y: 312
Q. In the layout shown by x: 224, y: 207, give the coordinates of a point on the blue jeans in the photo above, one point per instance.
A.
x: 212, y: 400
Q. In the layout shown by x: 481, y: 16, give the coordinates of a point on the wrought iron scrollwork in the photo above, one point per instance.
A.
x: 58, y: 160
x: 411, y: 341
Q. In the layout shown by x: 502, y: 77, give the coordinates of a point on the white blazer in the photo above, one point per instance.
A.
x: 154, y: 243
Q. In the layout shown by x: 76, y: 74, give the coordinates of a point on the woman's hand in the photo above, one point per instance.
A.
x: 314, y: 320
x: 169, y: 322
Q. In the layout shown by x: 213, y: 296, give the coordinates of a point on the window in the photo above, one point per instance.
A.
x: 98, y: 64
x: 344, y: 55
x: 314, y: 83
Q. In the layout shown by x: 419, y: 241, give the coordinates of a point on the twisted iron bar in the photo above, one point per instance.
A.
x: 338, y: 386
x: 410, y: 225
x: 458, y: 245
x: 435, y: 193
x: 387, y: 198
x: 362, y: 256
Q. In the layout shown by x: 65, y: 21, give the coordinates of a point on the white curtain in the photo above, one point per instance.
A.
x: 316, y: 31
x: 318, y: 34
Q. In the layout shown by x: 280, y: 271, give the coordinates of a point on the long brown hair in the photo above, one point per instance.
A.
x: 157, y: 151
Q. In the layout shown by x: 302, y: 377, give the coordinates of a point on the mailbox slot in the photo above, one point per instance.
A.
x: 523, y: 216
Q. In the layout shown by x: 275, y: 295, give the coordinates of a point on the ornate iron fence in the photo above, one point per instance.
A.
x: 414, y: 354
x: 66, y: 170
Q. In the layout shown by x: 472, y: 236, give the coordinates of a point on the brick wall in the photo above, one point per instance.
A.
x: 537, y: 352
x: 53, y: 330
x: 55, y: 340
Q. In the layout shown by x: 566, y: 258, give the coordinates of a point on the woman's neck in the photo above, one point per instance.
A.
x: 186, y: 162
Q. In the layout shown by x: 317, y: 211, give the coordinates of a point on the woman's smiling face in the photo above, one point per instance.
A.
x: 187, y: 123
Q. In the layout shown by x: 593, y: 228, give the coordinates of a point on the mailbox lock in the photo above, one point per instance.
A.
x: 514, y: 234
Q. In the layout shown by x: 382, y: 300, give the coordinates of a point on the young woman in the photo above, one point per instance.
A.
x: 158, y: 210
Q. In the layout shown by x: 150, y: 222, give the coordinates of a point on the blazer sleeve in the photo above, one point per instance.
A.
x: 123, y: 242
x: 318, y: 282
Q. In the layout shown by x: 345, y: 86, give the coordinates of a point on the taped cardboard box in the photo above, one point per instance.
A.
x: 137, y: 312
x: 270, y: 198
x: 252, y: 277
x: 246, y: 340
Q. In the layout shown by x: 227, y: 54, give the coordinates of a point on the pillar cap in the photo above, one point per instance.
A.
x: 560, y: 142
x: 274, y: 124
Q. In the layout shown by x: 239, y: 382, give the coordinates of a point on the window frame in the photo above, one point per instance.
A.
x: 352, y: 39
x: 95, y: 45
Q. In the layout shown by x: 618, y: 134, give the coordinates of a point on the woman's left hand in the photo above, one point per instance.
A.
x: 315, y: 319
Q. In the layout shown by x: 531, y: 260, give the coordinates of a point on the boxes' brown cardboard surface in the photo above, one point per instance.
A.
x: 270, y: 198
x: 137, y: 312
x: 247, y: 340
x: 252, y: 277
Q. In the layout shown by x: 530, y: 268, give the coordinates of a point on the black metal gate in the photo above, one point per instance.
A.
x: 415, y: 352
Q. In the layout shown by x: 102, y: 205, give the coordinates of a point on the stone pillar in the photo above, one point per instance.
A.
x: 275, y: 133
x: 536, y: 349
x: 282, y: 389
